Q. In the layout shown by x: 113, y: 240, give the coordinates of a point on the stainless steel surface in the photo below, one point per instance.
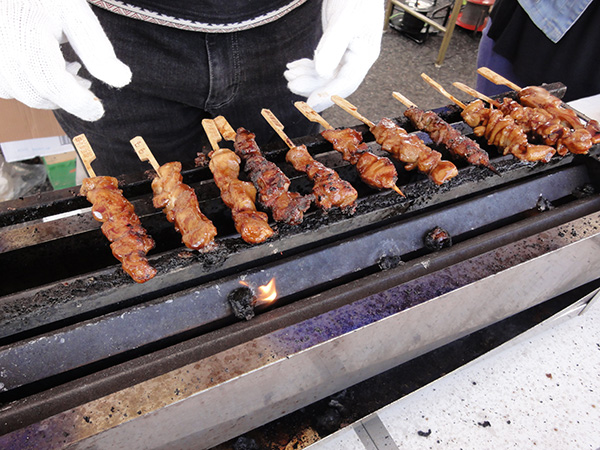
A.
x: 217, y: 398
x: 31, y: 359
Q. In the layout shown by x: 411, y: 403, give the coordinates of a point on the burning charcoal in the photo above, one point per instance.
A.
x: 437, y: 239
x: 584, y: 191
x: 543, y: 204
x: 389, y: 262
x: 242, y: 302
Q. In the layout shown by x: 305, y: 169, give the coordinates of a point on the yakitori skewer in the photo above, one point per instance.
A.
x: 375, y: 171
x: 496, y: 78
x: 144, y: 153
x: 404, y: 147
x: 538, y: 97
x: 269, y: 180
x: 441, y: 132
x: 328, y: 188
x: 178, y: 201
x: 474, y: 93
x: 498, y: 129
x: 539, y: 124
x: 238, y: 195
x: 122, y: 227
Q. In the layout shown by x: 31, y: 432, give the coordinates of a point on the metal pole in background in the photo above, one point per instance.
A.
x: 448, y: 33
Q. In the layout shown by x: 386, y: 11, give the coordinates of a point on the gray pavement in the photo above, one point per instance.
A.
x: 399, y: 68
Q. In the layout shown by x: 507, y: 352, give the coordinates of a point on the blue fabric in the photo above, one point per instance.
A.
x: 554, y: 17
x: 486, y: 57
x: 535, y: 59
x: 181, y: 77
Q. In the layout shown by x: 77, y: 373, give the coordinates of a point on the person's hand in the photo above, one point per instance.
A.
x: 351, y: 42
x: 32, y: 67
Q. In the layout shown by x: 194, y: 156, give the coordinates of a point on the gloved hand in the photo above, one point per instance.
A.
x: 32, y: 66
x: 351, y: 42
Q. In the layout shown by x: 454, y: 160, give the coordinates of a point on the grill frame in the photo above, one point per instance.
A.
x: 57, y: 400
x: 231, y: 361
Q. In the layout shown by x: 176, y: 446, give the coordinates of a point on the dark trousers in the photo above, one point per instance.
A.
x: 181, y: 77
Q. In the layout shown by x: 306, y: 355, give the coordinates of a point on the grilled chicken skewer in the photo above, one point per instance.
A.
x: 540, y: 124
x: 375, y: 171
x: 441, y: 132
x: 498, y: 129
x: 538, y: 97
x: 178, y: 201
x: 328, y: 188
x: 122, y: 227
x: 238, y: 195
x: 270, y: 181
x: 404, y: 147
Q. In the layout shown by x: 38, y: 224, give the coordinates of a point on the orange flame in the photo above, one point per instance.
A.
x: 264, y: 294
x: 267, y: 293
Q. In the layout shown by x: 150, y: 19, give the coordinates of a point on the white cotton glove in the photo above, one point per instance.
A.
x: 351, y: 42
x: 32, y: 66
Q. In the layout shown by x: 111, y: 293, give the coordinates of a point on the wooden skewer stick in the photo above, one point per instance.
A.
x: 312, y: 115
x: 211, y: 130
x: 442, y: 91
x: 144, y: 153
x: 224, y: 128
x: 402, y: 99
x: 86, y: 153
x: 497, y: 78
x: 277, y: 126
x: 351, y: 109
x: 469, y: 90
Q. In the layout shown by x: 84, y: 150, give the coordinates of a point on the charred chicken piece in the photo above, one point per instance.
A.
x: 411, y: 150
x: 122, y: 227
x: 501, y: 131
x: 271, y: 182
x: 551, y: 130
x: 239, y: 196
x: 442, y: 132
x: 376, y: 171
x: 329, y: 189
x: 180, y: 204
x: 538, y: 97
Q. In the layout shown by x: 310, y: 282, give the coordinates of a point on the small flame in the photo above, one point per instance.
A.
x: 267, y: 293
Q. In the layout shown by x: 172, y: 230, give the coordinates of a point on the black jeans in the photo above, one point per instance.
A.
x: 181, y: 77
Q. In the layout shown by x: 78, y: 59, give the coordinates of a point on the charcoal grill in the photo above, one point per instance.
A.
x: 90, y: 359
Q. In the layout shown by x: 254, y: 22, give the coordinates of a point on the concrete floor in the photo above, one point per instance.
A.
x: 399, y: 68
